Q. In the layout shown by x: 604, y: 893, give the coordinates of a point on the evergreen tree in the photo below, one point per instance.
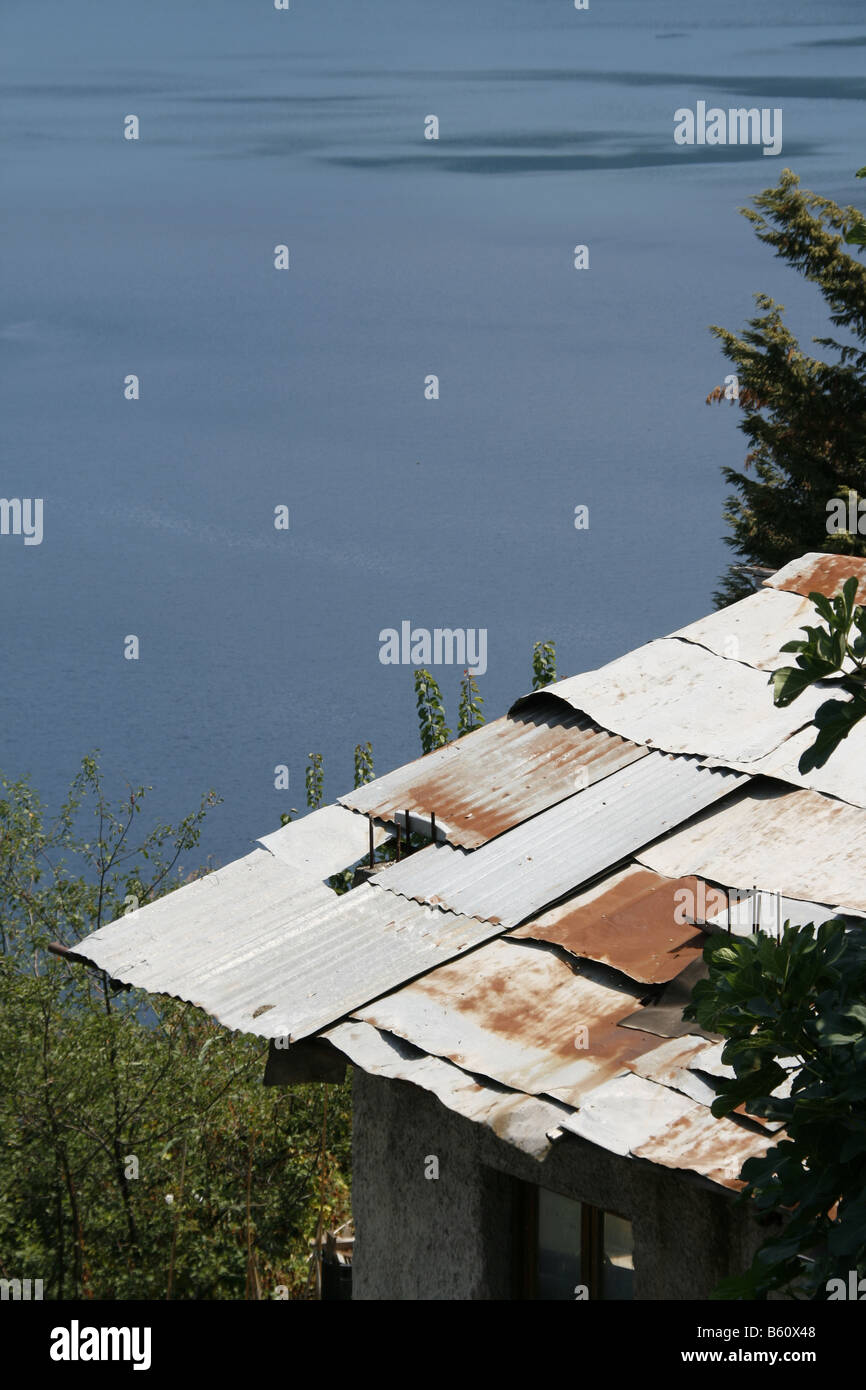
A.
x: 805, y: 418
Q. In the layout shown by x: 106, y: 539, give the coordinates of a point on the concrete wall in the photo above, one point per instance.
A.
x: 451, y: 1238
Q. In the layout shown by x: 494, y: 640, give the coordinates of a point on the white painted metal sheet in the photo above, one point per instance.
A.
x: 753, y: 630
x: 797, y: 843
x: 626, y: 1111
x: 748, y: 911
x: 843, y: 775
x: 674, y: 695
x: 268, y: 957
x: 668, y: 1065
x: 527, y: 869
x: 324, y: 842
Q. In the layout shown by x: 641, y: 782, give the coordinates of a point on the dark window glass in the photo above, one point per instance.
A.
x: 559, y: 1254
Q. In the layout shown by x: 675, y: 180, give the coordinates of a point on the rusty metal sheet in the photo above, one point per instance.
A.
x: 673, y: 695
x: 702, y: 1143
x: 265, y: 956
x: 524, y: 1121
x: 323, y: 843
x: 797, y: 843
x: 819, y: 573
x: 633, y: 1116
x: 501, y: 774
x: 630, y: 921
x: 520, y: 1015
x: 754, y: 629
x: 529, y: 868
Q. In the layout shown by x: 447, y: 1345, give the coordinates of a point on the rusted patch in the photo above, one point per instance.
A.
x: 633, y: 922
x: 520, y: 1015
x: 501, y: 774
x: 698, y: 1141
x: 824, y: 574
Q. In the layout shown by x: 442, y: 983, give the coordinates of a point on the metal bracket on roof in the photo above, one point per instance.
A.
x: 420, y: 824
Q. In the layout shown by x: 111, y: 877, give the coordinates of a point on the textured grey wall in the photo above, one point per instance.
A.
x: 451, y: 1238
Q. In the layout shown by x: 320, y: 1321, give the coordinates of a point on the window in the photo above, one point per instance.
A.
x: 563, y: 1246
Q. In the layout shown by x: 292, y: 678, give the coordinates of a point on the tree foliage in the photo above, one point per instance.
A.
x: 469, y: 714
x: 431, y: 711
x: 141, y: 1155
x: 804, y: 417
x: 543, y: 664
x: 833, y: 655
x: 793, y: 1010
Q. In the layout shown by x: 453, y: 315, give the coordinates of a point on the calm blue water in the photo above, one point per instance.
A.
x: 408, y: 257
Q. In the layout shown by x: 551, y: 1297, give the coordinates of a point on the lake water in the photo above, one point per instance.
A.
x: 306, y: 388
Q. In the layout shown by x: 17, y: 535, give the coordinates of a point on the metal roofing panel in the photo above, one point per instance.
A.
x: 702, y: 1143
x: 631, y: 1115
x: 843, y: 774
x: 664, y: 1017
x: 626, y: 1111
x: 674, y: 695
x: 265, y: 956
x: 524, y: 1121
x: 323, y: 843
x: 629, y: 921
x: 819, y: 573
x: 797, y: 843
x: 686, y: 1065
x: 748, y: 911
x: 530, y: 867
x: 521, y: 1015
x: 501, y: 774
x: 669, y: 1063
x: 754, y: 629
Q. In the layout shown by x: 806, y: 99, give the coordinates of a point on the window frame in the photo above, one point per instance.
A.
x: 525, y: 1242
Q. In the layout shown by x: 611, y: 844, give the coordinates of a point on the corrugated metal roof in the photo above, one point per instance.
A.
x: 520, y: 1015
x: 628, y: 921
x: 753, y: 630
x: 819, y: 573
x: 528, y: 868
x: 674, y: 695
x: 265, y: 956
x: 501, y: 774
x: 841, y: 776
x: 664, y: 1016
x: 679, y: 1064
x: 748, y: 911
x: 631, y: 1115
x: 519, y: 1032
x: 524, y: 1121
x: 797, y: 843
x: 323, y: 843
